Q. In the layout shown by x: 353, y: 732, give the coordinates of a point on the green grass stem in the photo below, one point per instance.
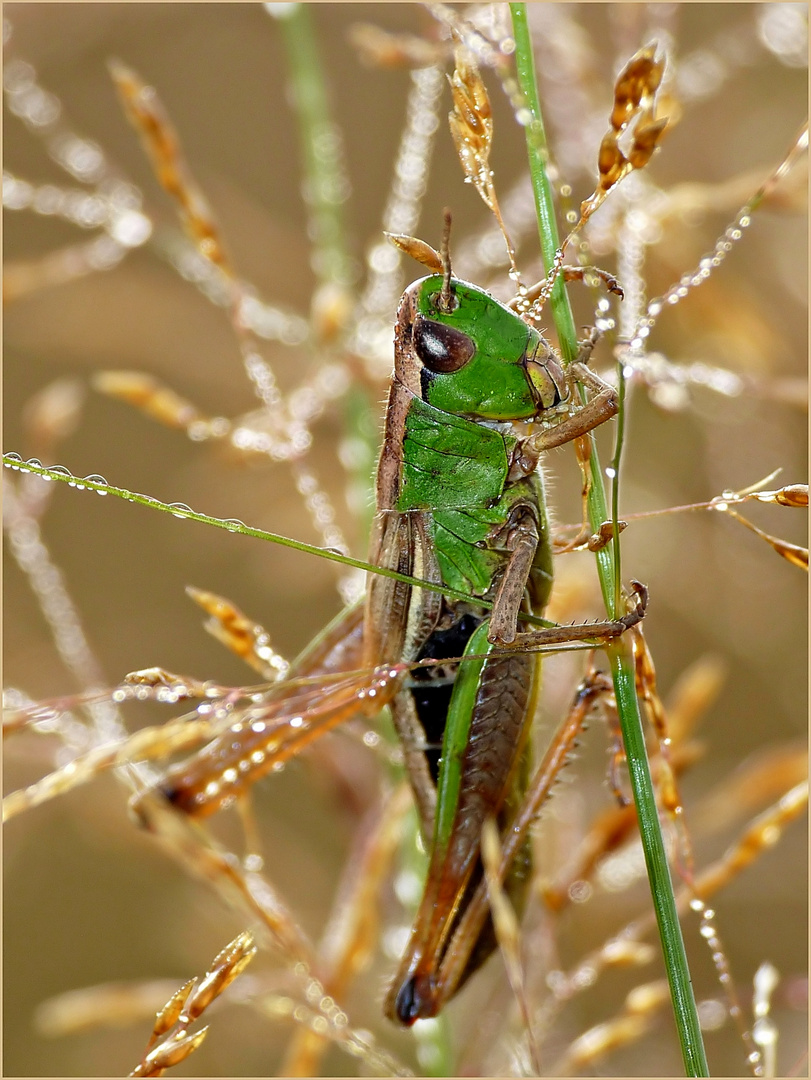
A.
x: 326, y: 187
x: 619, y: 655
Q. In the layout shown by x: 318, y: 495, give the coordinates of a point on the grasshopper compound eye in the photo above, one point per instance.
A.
x: 440, y: 348
x: 546, y: 378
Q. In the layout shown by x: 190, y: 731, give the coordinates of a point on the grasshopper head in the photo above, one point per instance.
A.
x: 475, y: 357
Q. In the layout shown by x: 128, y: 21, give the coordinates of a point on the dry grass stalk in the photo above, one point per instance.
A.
x: 116, y: 1004
x: 383, y: 49
x: 322, y: 1017
x: 351, y: 934
x: 148, y: 744
x: 287, y: 437
x: 667, y: 789
x: 151, y: 396
x: 641, y: 1008
x: 508, y: 931
x: 793, y: 495
x: 793, y: 553
x: 247, y: 892
x: 626, y: 947
x: 766, y: 775
x: 757, y: 838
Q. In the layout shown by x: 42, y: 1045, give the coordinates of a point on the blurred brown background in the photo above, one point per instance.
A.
x: 87, y: 899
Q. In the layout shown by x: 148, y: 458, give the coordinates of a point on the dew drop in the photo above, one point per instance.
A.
x: 130, y: 228
x: 95, y: 478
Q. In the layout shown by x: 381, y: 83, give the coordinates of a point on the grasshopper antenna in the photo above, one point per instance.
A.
x: 445, y: 255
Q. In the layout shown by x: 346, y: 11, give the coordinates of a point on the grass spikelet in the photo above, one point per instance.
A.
x: 170, y: 1042
x: 417, y: 249
x: 471, y: 124
x: 150, y: 395
x: 148, y: 117
x: 241, y: 635
x: 634, y: 100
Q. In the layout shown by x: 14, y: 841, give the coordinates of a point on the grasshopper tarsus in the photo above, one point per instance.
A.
x: 638, y: 614
x: 582, y: 273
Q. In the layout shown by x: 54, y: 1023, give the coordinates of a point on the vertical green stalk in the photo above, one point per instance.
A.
x: 559, y: 299
x: 325, y: 181
x: 622, y: 669
x: 326, y: 185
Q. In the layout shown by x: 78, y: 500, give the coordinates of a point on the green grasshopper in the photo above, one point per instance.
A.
x: 460, y: 506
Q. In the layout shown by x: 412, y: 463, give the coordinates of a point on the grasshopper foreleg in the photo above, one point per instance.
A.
x: 522, y: 540
x: 600, y: 408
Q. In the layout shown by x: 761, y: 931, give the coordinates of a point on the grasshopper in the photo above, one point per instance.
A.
x: 460, y: 506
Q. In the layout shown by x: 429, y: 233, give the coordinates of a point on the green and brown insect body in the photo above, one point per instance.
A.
x: 455, y: 486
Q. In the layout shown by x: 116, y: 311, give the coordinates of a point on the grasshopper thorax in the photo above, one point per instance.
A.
x: 472, y: 356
